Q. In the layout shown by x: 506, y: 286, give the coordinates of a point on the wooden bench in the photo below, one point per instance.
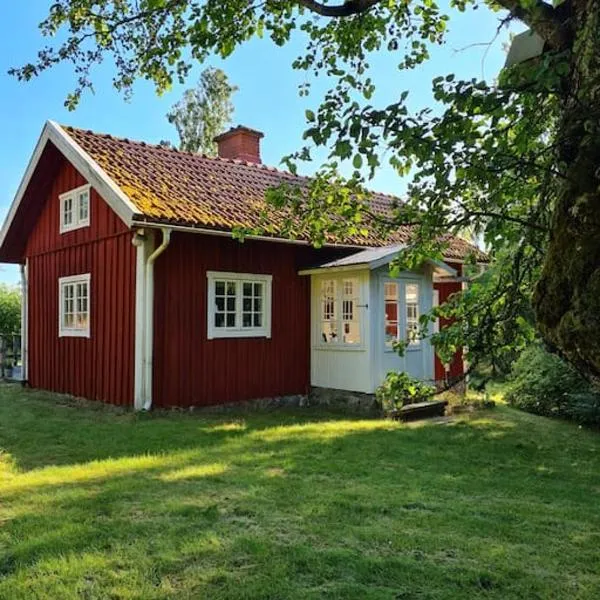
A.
x: 420, y: 410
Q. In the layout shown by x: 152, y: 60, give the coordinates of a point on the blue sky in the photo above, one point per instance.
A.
x: 267, y: 99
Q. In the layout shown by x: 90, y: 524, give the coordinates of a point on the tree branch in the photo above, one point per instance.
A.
x: 543, y: 19
x: 349, y: 8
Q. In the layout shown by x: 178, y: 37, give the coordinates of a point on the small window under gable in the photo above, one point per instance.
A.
x: 75, y: 209
x: 239, y: 305
x: 74, y: 306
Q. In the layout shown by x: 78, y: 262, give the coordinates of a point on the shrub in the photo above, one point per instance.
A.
x: 544, y: 384
x: 399, y: 389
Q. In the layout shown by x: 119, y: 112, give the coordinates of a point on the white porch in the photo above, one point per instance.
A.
x: 358, y: 311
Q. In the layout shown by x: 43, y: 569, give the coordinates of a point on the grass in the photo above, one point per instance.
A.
x: 101, y: 504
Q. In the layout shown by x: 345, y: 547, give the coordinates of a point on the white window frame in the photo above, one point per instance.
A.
x: 238, y: 331
x: 73, y: 195
x: 402, y: 312
x: 416, y: 343
x: 62, y: 283
x: 338, y: 311
x: 389, y: 344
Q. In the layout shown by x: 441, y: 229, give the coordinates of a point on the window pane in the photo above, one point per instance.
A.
x: 252, y: 293
x: 83, y: 205
x: 350, y: 316
x: 220, y: 304
x: 329, y: 332
x: 391, y: 332
x: 391, y: 290
x: 230, y: 304
x: 412, y: 293
x: 67, y: 211
x: 230, y: 320
x: 219, y: 320
x: 412, y: 313
x: 219, y: 288
x: 231, y: 288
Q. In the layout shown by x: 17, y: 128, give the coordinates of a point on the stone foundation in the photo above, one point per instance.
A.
x: 356, y: 402
x: 298, y: 400
x: 342, y: 400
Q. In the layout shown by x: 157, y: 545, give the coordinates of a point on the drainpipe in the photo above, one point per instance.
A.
x: 24, y: 323
x: 149, y: 317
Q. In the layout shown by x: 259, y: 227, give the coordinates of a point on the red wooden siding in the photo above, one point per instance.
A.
x: 46, y: 234
x: 446, y: 289
x: 189, y: 369
x: 99, y: 367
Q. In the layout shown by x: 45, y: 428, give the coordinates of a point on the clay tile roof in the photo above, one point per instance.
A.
x: 169, y: 186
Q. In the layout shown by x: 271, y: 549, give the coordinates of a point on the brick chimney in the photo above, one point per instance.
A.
x: 241, y: 143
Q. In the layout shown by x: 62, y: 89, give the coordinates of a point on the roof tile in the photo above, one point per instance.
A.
x: 181, y: 188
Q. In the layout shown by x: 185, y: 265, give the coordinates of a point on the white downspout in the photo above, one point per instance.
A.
x: 24, y: 321
x: 149, y: 318
x: 141, y: 242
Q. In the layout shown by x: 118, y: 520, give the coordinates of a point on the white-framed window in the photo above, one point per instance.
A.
x: 340, y: 311
x: 411, y: 296
x: 401, y: 312
x: 239, y: 305
x: 75, y: 209
x: 74, y: 294
x: 391, y: 312
x: 436, y: 303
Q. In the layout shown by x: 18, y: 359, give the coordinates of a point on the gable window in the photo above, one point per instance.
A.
x: 75, y: 209
x: 239, y: 305
x: 340, y: 317
x: 74, y: 306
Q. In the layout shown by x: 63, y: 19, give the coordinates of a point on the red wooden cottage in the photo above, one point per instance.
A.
x: 136, y: 294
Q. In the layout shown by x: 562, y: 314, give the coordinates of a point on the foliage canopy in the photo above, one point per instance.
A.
x: 10, y: 309
x: 516, y: 162
x: 203, y: 112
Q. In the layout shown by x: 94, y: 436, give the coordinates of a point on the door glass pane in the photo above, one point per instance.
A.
x: 391, y: 312
x: 412, y: 313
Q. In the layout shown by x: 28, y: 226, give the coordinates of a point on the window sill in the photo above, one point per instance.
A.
x: 80, y: 333
x: 69, y: 228
x: 389, y: 350
x: 340, y: 347
x: 237, y: 333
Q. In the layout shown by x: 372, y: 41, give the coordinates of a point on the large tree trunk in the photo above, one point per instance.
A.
x: 567, y: 299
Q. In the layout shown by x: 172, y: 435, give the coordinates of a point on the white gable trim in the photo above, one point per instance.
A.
x: 93, y: 173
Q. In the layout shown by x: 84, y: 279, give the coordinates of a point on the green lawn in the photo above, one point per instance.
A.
x: 96, y: 503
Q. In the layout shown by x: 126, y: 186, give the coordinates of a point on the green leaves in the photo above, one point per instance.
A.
x: 203, y: 112
x: 482, y: 164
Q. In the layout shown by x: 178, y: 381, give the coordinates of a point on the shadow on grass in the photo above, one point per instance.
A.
x: 97, y: 504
